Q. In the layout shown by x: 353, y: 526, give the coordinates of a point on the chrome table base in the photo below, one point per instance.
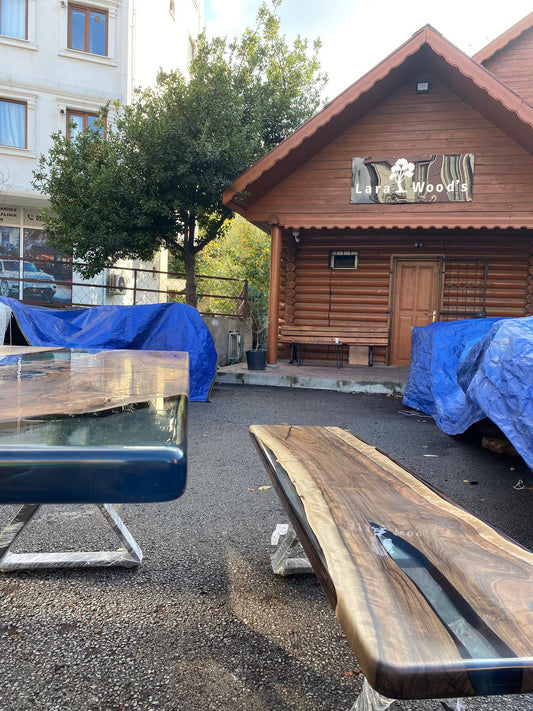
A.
x: 129, y: 556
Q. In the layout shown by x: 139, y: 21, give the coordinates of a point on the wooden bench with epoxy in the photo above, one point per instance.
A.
x: 434, y: 602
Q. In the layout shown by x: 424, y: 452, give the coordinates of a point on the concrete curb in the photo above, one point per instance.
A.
x: 271, y: 378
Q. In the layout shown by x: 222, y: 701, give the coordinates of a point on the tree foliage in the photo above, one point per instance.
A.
x: 243, y: 252
x: 156, y: 181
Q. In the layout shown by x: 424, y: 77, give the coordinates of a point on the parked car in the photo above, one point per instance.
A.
x: 34, y: 281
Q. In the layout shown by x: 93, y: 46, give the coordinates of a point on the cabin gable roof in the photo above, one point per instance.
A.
x: 504, y: 40
x: 427, y: 50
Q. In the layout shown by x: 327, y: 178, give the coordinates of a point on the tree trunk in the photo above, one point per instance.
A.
x: 189, y: 258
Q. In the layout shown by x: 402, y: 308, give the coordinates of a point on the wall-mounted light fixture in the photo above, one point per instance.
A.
x: 423, y: 87
x: 419, y: 245
x: 296, y: 236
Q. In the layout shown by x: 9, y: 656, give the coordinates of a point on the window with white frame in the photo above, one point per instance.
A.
x: 87, y: 29
x: 13, y: 120
x: 14, y: 18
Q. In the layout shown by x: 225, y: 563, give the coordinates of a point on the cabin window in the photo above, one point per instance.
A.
x: 343, y: 260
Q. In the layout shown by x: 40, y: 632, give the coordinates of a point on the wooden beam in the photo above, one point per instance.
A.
x: 273, y: 298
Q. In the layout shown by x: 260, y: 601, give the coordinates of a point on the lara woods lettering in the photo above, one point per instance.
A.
x: 422, y: 179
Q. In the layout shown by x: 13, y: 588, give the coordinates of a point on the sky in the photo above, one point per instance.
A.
x: 357, y: 34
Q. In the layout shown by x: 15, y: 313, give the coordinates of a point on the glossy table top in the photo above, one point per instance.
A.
x: 84, y: 426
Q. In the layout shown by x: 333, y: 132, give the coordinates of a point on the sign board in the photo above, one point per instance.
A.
x: 9, y: 215
x: 426, y: 179
x: 33, y: 217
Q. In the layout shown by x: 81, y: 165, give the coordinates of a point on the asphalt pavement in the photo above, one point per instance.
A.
x: 203, y: 623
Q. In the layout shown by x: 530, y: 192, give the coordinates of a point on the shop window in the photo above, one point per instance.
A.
x: 343, y: 260
x: 12, y: 123
x: 80, y: 121
x: 87, y: 30
x: 13, y: 18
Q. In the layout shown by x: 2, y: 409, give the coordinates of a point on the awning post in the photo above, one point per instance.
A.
x: 273, y: 296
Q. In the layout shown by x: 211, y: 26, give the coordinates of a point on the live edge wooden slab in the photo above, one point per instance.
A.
x: 434, y: 602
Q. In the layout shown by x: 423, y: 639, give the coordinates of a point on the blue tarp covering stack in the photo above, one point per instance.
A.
x: 464, y: 371
x: 160, y: 327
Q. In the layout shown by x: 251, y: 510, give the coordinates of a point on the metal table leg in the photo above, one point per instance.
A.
x: 129, y: 556
x: 302, y: 347
x: 339, y: 353
x: 370, y: 700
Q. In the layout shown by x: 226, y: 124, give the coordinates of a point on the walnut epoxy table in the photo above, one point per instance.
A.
x: 434, y: 602
x: 89, y: 427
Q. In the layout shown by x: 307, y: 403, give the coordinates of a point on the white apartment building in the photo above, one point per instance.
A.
x: 61, y: 61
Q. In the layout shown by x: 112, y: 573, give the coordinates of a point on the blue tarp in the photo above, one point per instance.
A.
x: 464, y: 371
x: 161, y: 327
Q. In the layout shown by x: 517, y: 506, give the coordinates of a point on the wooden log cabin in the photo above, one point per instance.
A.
x: 408, y: 198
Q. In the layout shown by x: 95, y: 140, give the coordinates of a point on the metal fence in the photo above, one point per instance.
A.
x: 57, y: 283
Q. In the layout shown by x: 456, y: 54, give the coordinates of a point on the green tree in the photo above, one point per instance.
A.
x: 156, y: 181
x: 243, y: 252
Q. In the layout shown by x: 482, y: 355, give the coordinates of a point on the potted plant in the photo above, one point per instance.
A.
x: 258, y: 310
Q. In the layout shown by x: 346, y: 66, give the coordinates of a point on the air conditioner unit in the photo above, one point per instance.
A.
x: 116, y: 284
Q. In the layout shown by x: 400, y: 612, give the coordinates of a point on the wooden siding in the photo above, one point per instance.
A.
x: 314, y: 294
x: 317, y: 195
x: 513, y: 65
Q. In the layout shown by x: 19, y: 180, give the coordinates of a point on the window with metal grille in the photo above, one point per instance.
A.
x: 464, y: 289
x: 343, y: 260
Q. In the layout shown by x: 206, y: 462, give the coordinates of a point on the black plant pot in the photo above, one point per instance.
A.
x: 256, y: 360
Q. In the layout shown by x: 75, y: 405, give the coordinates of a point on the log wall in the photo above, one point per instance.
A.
x: 314, y: 294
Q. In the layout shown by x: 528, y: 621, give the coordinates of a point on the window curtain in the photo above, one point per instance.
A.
x: 12, y: 124
x: 13, y: 18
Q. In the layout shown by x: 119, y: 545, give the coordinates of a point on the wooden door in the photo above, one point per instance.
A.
x: 415, y: 298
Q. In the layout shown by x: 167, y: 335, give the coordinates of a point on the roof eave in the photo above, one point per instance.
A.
x: 504, y: 39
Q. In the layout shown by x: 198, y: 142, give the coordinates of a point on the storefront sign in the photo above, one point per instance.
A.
x: 9, y: 215
x: 423, y: 179
x: 33, y: 217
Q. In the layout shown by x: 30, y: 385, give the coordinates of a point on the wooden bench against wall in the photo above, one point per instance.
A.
x: 434, y: 602
x: 363, y: 334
